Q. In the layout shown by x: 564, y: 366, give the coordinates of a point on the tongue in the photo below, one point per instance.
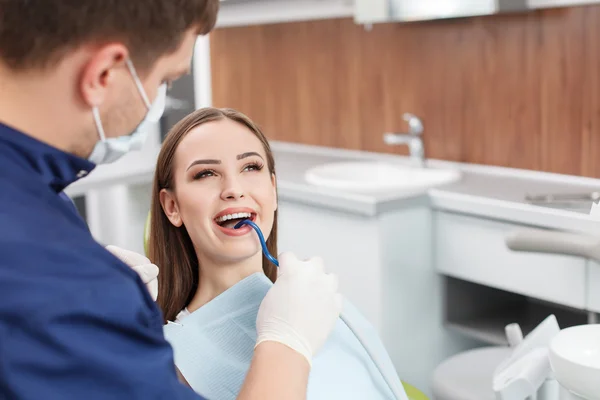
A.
x: 231, y: 223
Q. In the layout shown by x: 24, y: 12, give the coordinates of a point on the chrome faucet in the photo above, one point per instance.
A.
x: 413, y: 139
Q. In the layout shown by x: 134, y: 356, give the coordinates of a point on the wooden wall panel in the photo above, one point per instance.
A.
x: 518, y: 90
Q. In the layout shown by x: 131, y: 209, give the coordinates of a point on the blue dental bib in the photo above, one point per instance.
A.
x: 214, y: 345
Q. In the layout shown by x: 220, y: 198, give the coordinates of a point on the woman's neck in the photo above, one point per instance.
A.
x: 215, y: 278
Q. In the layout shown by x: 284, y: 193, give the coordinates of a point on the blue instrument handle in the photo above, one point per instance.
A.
x: 263, y: 243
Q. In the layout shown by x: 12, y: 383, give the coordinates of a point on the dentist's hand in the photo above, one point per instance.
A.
x: 147, y: 271
x: 302, y: 307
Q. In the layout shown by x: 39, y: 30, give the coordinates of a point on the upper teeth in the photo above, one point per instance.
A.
x: 223, y: 218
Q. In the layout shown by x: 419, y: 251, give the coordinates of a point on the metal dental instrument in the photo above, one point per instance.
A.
x: 391, y: 380
x: 563, y: 197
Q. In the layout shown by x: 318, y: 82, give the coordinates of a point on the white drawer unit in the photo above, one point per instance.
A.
x: 594, y: 286
x: 474, y: 250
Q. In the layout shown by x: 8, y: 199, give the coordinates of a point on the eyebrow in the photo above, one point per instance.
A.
x: 203, y: 162
x: 248, y: 154
x: 213, y: 161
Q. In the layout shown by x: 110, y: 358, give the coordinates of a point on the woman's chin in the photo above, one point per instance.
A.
x: 239, y: 252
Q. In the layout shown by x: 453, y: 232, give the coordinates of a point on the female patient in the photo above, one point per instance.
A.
x: 214, y: 169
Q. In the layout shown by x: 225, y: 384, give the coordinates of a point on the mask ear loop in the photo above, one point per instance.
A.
x: 138, y: 83
x: 158, y: 106
x: 98, y: 122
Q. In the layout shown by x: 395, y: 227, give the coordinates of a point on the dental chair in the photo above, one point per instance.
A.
x: 498, y: 372
x: 412, y: 392
x: 469, y: 375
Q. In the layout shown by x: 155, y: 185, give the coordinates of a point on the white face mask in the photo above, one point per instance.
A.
x: 111, y: 149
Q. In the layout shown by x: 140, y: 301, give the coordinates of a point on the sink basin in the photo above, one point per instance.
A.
x: 575, y: 360
x: 367, y: 176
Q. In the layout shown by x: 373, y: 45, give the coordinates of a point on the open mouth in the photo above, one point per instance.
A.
x: 228, y: 221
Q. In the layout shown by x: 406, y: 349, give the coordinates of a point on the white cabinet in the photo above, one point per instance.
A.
x: 348, y: 244
x: 385, y: 269
x: 593, y: 288
x: 474, y: 249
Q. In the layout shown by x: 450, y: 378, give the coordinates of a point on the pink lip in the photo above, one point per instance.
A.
x: 235, y: 232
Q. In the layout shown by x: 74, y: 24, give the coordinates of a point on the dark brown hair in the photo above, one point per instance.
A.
x: 170, y: 247
x: 38, y: 33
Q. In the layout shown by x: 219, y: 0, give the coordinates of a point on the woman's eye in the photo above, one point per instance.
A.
x: 253, y: 167
x: 204, y: 174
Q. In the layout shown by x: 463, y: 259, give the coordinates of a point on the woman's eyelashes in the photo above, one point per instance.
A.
x: 205, y: 173
x: 255, y: 166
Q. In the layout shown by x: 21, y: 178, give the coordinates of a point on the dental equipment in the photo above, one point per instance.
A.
x: 526, y: 372
x: 557, y: 364
x: 552, y: 364
x: 563, y: 197
x: 393, y: 382
x: 554, y: 242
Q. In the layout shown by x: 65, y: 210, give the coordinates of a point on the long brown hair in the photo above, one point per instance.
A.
x: 170, y: 247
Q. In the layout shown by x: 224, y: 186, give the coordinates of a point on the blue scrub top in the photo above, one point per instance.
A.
x: 75, y: 322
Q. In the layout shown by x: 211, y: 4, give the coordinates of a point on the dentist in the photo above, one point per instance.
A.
x: 79, y: 81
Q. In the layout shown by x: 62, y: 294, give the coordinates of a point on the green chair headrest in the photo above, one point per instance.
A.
x: 413, y: 393
x: 146, y: 234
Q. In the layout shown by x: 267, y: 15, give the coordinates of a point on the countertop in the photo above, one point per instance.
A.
x: 490, y: 192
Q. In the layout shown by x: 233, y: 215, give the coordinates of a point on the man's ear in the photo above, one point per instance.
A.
x: 99, y: 72
x: 274, y: 182
x: 168, y: 201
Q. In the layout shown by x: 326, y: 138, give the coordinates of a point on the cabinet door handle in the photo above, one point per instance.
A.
x: 554, y: 242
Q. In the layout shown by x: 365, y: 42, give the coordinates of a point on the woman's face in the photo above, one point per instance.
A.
x: 221, y: 176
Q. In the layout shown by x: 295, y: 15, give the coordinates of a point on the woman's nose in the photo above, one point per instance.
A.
x: 233, y: 190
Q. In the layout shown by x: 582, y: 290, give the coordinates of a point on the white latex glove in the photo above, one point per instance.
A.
x: 302, y: 307
x: 140, y: 264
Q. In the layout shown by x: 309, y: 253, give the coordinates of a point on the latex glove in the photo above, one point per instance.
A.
x: 302, y: 307
x: 147, y: 271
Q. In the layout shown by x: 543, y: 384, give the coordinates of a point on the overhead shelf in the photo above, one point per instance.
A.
x: 258, y: 12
